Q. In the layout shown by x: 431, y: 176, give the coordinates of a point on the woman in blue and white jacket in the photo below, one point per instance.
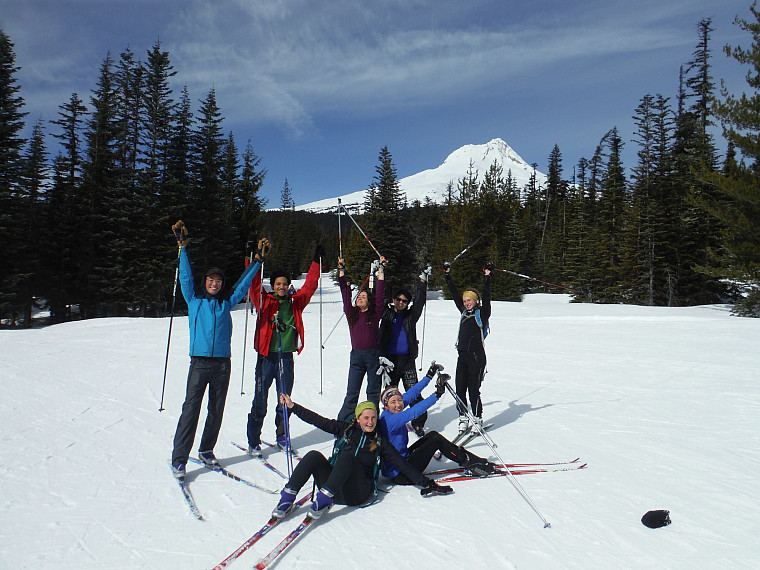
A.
x: 210, y: 320
x: 393, y: 428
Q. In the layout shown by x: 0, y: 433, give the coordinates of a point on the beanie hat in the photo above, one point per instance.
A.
x: 472, y: 294
x: 656, y: 519
x: 388, y: 394
x: 364, y: 406
x: 215, y: 270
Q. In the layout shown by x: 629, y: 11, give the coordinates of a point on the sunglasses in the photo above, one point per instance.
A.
x: 402, y: 300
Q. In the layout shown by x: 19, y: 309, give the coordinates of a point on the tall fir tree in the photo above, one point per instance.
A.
x: 216, y: 243
x: 99, y: 261
x: 251, y: 181
x: 34, y: 237
x: 388, y: 228
x: 736, y: 201
x: 66, y: 209
x: 11, y: 145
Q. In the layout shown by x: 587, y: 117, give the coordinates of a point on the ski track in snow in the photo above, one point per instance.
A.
x: 661, y: 402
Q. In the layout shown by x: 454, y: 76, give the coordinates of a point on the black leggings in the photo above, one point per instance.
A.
x: 422, y: 451
x: 471, y: 366
x: 347, y: 479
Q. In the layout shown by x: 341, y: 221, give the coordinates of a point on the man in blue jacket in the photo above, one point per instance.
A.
x: 210, y: 323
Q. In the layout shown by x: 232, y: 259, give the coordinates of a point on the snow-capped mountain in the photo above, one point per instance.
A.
x: 432, y: 183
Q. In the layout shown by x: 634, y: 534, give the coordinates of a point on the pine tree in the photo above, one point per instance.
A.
x: 252, y: 179
x: 158, y: 203
x: 287, y: 237
x: 388, y: 227
x: 33, y: 238
x: 695, y: 150
x: 65, y: 212
x: 215, y: 242
x: 736, y: 201
x: 11, y: 144
x: 99, y: 261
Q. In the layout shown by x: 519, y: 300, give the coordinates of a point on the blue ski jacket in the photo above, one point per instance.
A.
x: 209, y: 317
x: 393, y: 426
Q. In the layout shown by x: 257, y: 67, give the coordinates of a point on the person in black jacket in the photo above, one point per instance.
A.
x: 471, y: 353
x: 398, y: 339
x: 350, y: 476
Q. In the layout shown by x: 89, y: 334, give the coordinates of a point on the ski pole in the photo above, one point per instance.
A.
x: 426, y: 272
x: 171, y: 320
x: 340, y: 233
x: 539, y: 280
x: 342, y: 315
x: 276, y: 323
x: 257, y: 332
x: 484, y: 234
x: 512, y: 479
x: 245, y: 334
x: 350, y: 217
x: 320, y: 323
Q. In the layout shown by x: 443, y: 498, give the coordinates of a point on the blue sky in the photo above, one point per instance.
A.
x: 320, y: 87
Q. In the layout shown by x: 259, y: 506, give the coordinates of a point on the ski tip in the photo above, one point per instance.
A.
x: 583, y: 466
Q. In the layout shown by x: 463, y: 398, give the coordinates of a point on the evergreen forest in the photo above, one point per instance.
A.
x: 85, y: 227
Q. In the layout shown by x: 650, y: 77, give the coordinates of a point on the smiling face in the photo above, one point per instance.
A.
x: 367, y: 420
x: 362, y: 301
x: 213, y: 283
x: 400, y: 303
x: 280, y: 286
x: 395, y: 404
x: 469, y: 303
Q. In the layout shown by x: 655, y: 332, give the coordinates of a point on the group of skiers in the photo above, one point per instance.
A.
x: 381, y: 330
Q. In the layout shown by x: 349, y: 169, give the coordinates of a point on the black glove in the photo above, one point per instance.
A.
x: 434, y: 369
x: 180, y: 233
x: 319, y: 252
x: 488, y: 267
x: 446, y: 267
x: 432, y: 488
x: 250, y: 245
x: 440, y: 384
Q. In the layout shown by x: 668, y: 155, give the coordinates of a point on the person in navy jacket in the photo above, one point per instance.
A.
x: 393, y: 428
x: 210, y: 321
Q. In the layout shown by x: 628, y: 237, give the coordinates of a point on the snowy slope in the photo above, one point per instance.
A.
x: 432, y: 183
x: 661, y: 402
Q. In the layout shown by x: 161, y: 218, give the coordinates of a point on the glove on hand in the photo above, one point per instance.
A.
x: 440, y: 385
x: 250, y: 245
x: 432, y: 488
x: 180, y: 233
x: 446, y: 267
x: 488, y: 267
x: 425, y: 275
x: 434, y: 369
x: 262, y: 249
x: 319, y: 252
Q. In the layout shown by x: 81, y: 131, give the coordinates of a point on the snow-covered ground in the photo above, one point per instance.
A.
x: 663, y: 404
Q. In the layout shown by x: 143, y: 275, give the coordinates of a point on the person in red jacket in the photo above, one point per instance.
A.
x: 279, y: 334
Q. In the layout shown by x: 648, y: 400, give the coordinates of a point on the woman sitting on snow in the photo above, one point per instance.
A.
x: 349, y: 477
x: 393, y: 428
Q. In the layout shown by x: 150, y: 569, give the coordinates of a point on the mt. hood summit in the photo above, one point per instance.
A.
x: 432, y: 183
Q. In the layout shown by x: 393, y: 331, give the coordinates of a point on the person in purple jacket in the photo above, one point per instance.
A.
x: 363, y: 325
x: 393, y: 422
